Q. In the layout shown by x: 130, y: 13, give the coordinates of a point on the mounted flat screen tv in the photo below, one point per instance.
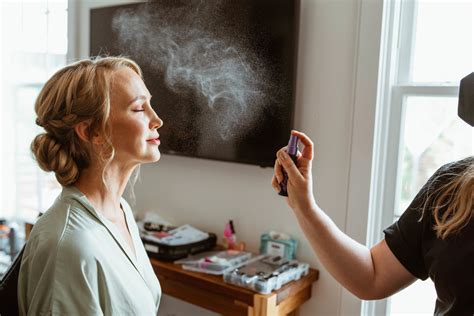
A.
x: 221, y: 72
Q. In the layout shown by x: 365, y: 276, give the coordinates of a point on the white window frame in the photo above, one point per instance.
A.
x: 1, y: 98
x: 398, y: 31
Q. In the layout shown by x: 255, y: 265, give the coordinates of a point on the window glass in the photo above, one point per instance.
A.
x: 432, y: 135
x: 444, y: 41
x: 57, y: 33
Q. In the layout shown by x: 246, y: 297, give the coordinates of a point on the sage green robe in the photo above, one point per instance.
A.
x: 76, y: 262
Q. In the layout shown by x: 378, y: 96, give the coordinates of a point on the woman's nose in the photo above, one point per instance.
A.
x: 155, y: 121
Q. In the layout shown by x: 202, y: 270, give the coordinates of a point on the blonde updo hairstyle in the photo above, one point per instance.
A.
x: 77, y: 93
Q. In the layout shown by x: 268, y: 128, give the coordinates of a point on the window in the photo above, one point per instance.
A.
x: 428, y: 48
x: 33, y: 41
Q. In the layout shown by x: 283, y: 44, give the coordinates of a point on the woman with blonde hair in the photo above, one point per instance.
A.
x: 433, y: 238
x: 84, y: 255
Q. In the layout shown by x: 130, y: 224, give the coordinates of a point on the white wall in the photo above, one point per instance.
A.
x: 337, y: 71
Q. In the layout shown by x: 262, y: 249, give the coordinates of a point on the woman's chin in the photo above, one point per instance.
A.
x: 155, y: 157
x: 150, y: 156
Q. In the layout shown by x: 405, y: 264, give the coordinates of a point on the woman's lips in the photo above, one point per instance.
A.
x: 153, y: 141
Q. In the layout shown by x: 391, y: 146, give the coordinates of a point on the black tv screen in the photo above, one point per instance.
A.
x: 221, y: 72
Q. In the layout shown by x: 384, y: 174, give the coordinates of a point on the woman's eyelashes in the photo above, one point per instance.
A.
x: 139, y: 108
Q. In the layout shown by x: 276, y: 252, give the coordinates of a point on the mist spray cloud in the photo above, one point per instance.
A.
x: 229, y: 77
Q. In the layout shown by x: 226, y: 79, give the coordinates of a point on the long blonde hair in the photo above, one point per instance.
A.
x: 79, y: 92
x: 452, y: 203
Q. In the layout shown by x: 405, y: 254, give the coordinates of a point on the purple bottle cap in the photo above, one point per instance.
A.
x: 292, y: 148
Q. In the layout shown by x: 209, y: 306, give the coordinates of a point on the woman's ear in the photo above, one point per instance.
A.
x: 83, y: 132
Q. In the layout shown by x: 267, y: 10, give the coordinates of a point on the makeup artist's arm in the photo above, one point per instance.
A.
x: 368, y: 273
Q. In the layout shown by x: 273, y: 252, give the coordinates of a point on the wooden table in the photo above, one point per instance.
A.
x: 212, y: 293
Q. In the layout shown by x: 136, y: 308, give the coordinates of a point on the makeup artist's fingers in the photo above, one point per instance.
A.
x: 303, y: 164
x: 299, y: 158
x: 275, y: 184
x: 289, y: 166
x: 278, y: 171
x: 298, y: 153
x: 281, y: 150
x: 308, y: 151
x: 284, y: 149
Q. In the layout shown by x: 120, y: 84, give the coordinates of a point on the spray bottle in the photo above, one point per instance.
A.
x: 292, y: 150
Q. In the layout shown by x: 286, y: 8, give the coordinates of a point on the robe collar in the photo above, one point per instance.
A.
x: 74, y: 193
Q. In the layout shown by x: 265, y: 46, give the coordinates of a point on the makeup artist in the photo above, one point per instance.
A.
x: 433, y: 238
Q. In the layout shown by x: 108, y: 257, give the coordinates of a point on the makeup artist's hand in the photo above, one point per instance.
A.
x: 300, y: 180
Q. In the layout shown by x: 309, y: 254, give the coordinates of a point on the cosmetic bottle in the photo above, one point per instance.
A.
x: 292, y: 150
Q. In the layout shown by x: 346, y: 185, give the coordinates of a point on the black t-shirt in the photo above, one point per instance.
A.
x: 449, y: 262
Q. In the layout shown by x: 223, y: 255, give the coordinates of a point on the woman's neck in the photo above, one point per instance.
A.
x: 105, y: 198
